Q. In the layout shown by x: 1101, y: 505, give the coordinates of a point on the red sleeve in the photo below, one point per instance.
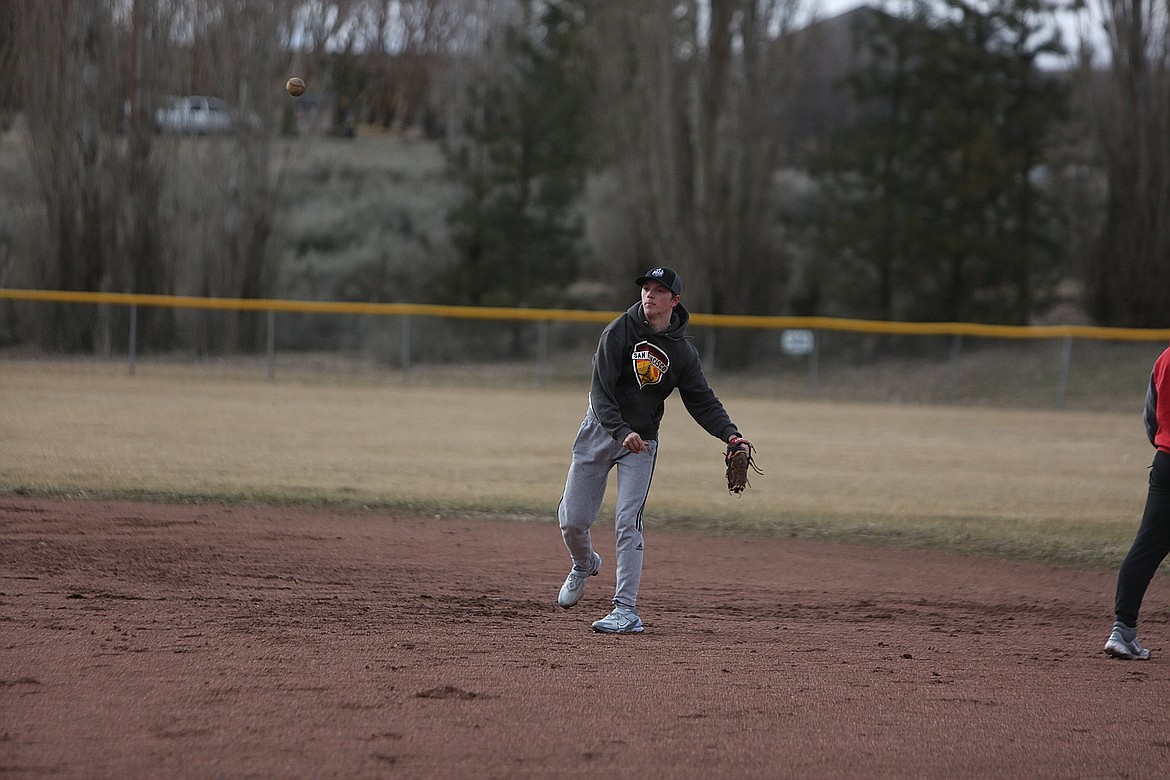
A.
x: 1160, y: 389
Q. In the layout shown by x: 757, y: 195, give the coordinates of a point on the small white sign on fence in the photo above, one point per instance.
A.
x: 798, y: 341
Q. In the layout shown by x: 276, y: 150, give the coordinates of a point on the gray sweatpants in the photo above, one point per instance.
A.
x: 595, y: 453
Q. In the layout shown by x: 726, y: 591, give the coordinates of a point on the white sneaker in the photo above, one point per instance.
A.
x: 1127, y: 649
x: 620, y: 621
x: 574, y: 587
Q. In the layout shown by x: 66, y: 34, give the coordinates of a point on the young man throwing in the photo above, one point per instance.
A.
x: 642, y: 357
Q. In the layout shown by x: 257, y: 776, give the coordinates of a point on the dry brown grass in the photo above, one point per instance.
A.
x: 1056, y: 485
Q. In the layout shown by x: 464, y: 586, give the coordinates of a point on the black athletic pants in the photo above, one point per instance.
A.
x: 1150, y: 546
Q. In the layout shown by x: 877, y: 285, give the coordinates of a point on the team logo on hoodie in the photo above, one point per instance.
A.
x: 650, y: 363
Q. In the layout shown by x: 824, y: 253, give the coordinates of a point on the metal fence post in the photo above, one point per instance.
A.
x: 542, y: 342
x: 814, y: 362
x: 953, y: 366
x: 405, y: 349
x: 1065, y: 367
x: 132, y: 348
x: 271, y: 347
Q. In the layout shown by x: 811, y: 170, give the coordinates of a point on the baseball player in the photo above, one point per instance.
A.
x: 1152, y: 543
x: 642, y: 357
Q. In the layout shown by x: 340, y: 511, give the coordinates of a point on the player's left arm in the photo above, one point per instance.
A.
x: 703, y: 404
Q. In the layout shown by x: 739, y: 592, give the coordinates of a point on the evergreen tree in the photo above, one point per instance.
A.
x: 931, y: 195
x: 521, y: 164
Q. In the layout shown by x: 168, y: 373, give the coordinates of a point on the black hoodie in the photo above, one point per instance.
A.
x: 635, y: 370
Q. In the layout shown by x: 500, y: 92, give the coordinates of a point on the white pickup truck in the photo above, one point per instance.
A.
x: 194, y: 114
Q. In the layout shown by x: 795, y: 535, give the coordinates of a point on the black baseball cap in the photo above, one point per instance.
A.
x: 664, y: 276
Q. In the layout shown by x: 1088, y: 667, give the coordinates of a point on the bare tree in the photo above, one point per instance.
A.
x: 82, y: 70
x: 141, y: 224
x: 125, y: 209
x: 8, y: 16
x: 322, y: 35
x: 408, y: 45
x: 693, y: 95
x: 221, y: 203
x: 64, y: 50
x: 1129, y: 283
x: 7, y: 113
x: 692, y: 91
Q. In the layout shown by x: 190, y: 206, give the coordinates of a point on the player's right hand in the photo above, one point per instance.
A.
x: 635, y: 443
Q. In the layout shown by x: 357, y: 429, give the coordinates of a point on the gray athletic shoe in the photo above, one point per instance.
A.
x: 574, y: 587
x: 1128, y: 649
x: 620, y: 621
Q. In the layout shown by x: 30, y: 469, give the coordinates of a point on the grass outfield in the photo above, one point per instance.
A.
x: 1059, y: 486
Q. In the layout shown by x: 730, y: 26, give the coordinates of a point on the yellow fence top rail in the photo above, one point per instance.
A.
x: 578, y: 315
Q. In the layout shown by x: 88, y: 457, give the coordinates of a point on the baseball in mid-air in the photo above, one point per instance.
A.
x: 295, y: 86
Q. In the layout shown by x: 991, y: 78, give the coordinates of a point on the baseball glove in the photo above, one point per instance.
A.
x: 740, y: 457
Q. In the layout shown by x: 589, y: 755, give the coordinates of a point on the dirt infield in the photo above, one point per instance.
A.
x: 150, y: 640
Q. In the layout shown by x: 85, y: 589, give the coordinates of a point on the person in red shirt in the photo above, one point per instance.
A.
x: 1152, y: 543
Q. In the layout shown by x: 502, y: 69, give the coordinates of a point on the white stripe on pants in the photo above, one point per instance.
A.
x: 595, y: 453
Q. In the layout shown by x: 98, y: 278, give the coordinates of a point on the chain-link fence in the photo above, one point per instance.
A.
x: 819, y: 358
